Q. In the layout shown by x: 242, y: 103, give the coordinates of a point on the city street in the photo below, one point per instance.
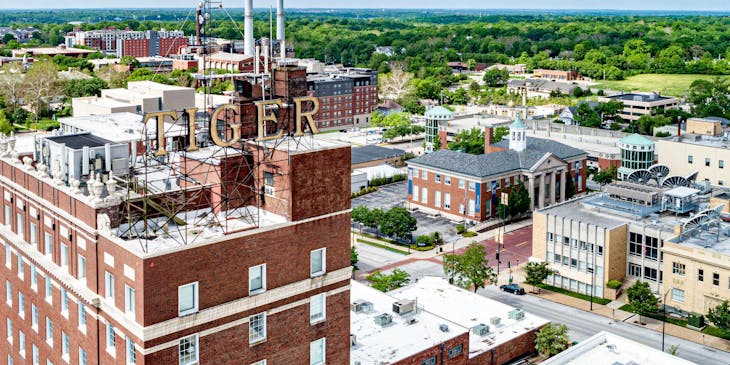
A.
x: 517, y: 248
x: 582, y: 324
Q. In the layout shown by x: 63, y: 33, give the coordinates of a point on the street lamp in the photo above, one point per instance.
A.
x: 593, y: 284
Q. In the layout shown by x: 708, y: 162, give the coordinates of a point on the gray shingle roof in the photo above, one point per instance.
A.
x: 482, y: 166
x: 373, y: 153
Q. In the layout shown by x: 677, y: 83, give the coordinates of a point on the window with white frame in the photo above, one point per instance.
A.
x: 187, y: 298
x: 49, y: 289
x: 438, y: 178
x: 64, y: 302
x: 34, y: 317
x: 257, y: 328
x: 447, y: 200
x: 7, y: 215
x: 8, y: 293
x: 21, y: 226
x: 424, y: 174
x: 33, y: 233
x: 188, y: 350
x: 36, y: 356
x: 462, y: 183
x: 260, y: 362
x: 21, y: 305
x: 317, y: 351
x: 678, y: 268
x: 65, y: 346
x: 447, y: 179
x: 9, y: 325
x: 10, y: 360
x: 48, y: 244
x: 437, y: 198
x: 33, y: 278
x: 21, y: 268
x: 81, y: 269
x: 424, y: 195
x: 82, y: 316
x: 108, y: 285
x: 64, y: 256
x: 678, y: 295
x: 21, y: 343
x: 82, y: 356
x: 8, y: 256
x: 111, y: 339
x: 49, y: 331
x: 472, y: 186
x: 317, y: 262
x: 416, y: 189
x: 317, y: 305
x: 257, y: 279
x: 131, y: 354
x: 128, y: 299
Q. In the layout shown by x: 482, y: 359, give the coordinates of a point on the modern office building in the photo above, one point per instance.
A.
x: 463, y: 186
x: 638, y: 104
x: 697, y: 153
x: 139, y: 97
x: 202, y: 255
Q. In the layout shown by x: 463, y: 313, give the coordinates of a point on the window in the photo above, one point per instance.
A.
x: 8, y: 257
x: 700, y: 275
x: 188, y: 350
x: 34, y: 317
x: 438, y: 178
x: 447, y: 180
x: 36, y: 357
x: 81, y: 269
x: 317, y: 262
x: 689, y: 159
x: 9, y: 324
x: 65, y: 351
x: 21, y: 226
x: 257, y: 279
x: 707, y: 162
x: 456, y: 351
x: 111, y: 338
x: 635, y: 244
x: 424, y: 174
x: 715, y: 279
x: 7, y: 215
x: 424, y: 195
x: 461, y: 183
x: 678, y: 269
x: 316, y: 352
x: 678, y: 295
x: 108, y: 285
x: 49, y: 331
x: 257, y: 328
x: 64, y: 302
x: 49, y: 289
x: 260, y: 362
x: 128, y: 299
x: 8, y: 293
x: 415, y: 193
x: 21, y: 305
x: 21, y: 343
x: 33, y: 278
x: 317, y: 308
x: 82, y: 317
x: 64, y: 256
x: 33, y: 233
x: 48, y: 244
x: 437, y: 199
x: 10, y: 360
x: 268, y: 179
x: 472, y: 186
x: 130, y: 353
x: 187, y: 299
x: 635, y: 270
x: 82, y: 356
x: 430, y: 361
x: 721, y: 164
x: 650, y: 273
x: 447, y: 201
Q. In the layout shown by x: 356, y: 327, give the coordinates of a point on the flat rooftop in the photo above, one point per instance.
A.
x: 605, y: 348
x: 79, y: 141
x: 646, y: 98
x: 437, y: 296
x: 376, y: 344
x: 702, y: 140
x: 479, y: 121
x: 307, y: 143
x: 373, y: 153
x: 121, y: 127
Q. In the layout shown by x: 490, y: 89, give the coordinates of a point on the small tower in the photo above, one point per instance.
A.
x: 518, y: 135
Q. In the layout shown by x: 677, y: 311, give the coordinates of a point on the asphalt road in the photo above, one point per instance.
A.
x: 582, y: 324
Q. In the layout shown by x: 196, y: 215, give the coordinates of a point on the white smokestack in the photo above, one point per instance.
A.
x: 256, y: 61
x: 283, y: 49
x: 280, y: 20
x: 248, y: 42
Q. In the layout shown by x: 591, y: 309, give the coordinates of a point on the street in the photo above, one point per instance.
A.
x: 582, y: 324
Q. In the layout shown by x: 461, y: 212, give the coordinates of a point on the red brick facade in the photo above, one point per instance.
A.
x: 135, y: 47
x: 441, y: 353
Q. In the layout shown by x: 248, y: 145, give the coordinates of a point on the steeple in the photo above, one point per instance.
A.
x: 518, y: 135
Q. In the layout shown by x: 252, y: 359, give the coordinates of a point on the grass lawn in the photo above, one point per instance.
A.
x: 668, y: 84
x: 574, y: 294
x: 375, y: 244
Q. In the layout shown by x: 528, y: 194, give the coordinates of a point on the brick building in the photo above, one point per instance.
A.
x: 465, y: 186
x: 128, y: 42
x: 215, y: 256
x: 558, y: 75
x: 346, y: 97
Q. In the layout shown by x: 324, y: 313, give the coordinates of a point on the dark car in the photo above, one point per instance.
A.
x: 513, y: 288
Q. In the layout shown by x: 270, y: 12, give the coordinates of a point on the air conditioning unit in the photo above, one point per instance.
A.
x: 353, y: 340
x: 411, y: 320
x: 444, y: 327
x: 269, y: 190
x: 495, y: 321
x: 404, y: 306
x: 384, y: 319
x: 480, y: 329
x: 361, y: 306
x: 517, y: 314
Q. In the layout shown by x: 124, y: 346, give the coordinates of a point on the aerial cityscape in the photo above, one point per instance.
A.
x: 411, y: 183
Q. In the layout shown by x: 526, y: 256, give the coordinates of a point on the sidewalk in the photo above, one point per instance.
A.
x: 620, y: 315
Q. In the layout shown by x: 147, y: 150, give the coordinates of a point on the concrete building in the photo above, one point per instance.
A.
x: 52, y: 51
x: 462, y: 186
x: 178, y: 260
x: 498, y: 333
x: 638, y: 104
x: 637, y: 153
x: 704, y: 126
x: 139, y: 97
x: 605, y: 348
x: 696, y: 153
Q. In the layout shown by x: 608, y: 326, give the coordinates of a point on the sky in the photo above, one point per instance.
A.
x: 698, y: 5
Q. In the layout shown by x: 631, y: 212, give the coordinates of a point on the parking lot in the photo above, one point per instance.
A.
x: 395, y: 195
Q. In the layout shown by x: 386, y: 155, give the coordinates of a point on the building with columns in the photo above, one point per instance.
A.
x: 460, y: 186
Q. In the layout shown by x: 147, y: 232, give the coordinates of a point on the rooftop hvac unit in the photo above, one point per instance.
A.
x: 404, y: 306
x: 411, y: 320
x: 353, y: 340
x: 480, y: 330
x: 495, y: 321
x: 444, y: 327
x: 361, y: 306
x: 384, y: 319
x: 517, y: 314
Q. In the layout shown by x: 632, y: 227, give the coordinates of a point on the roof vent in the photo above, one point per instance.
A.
x: 384, y: 319
x: 361, y: 306
x: 444, y: 327
x: 404, y: 306
x: 480, y: 330
x: 411, y: 320
x: 495, y: 321
x: 517, y: 314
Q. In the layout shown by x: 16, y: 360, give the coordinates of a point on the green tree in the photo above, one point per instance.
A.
x: 496, y: 77
x: 130, y: 61
x: 360, y: 214
x: 396, y: 119
x: 384, y: 282
x: 569, y: 186
x: 398, y: 222
x: 605, y: 176
x: 428, y: 88
x: 536, y: 273
x: 587, y: 116
x: 84, y: 87
x: 5, y: 127
x: 499, y: 133
x: 552, y: 339
x: 7, y: 38
x: 610, y: 110
x: 373, y: 219
x: 642, y: 299
x: 471, y: 268
x: 353, y: 257
x: 518, y: 201
x: 41, y: 82
x: 710, y: 97
x: 376, y: 119
x: 720, y: 316
x: 469, y: 141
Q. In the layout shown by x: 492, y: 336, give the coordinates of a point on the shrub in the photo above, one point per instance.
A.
x: 364, y: 191
x: 460, y: 228
x: 469, y: 234
x: 613, y: 284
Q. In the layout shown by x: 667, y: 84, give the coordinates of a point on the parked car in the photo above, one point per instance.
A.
x: 513, y: 288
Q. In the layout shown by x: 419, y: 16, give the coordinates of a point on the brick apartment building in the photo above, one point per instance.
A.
x: 460, y: 186
x: 232, y: 255
x: 129, y: 43
x: 346, y: 98
x: 558, y: 75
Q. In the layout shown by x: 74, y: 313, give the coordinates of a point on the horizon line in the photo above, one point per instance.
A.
x: 382, y: 8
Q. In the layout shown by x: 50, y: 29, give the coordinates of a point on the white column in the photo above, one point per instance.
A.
x: 563, y: 178
x: 541, y: 192
x: 531, y: 190
x: 553, y: 179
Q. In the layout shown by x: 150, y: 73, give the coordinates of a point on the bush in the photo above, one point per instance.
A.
x: 613, y: 284
x: 696, y: 320
x: 364, y: 191
x: 469, y: 234
x: 460, y: 228
x: 662, y: 134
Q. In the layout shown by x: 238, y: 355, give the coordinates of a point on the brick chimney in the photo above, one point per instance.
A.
x: 442, y: 138
x: 488, y: 139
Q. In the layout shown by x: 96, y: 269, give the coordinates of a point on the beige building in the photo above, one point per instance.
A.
x: 139, y: 97
x: 705, y: 155
x: 638, y: 104
x: 704, y: 126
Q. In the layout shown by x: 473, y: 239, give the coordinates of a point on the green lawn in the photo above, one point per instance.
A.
x: 379, y: 245
x: 574, y: 294
x: 664, y: 83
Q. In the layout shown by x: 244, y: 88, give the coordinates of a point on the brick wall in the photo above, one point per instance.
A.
x: 508, y: 351
x: 442, y: 353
